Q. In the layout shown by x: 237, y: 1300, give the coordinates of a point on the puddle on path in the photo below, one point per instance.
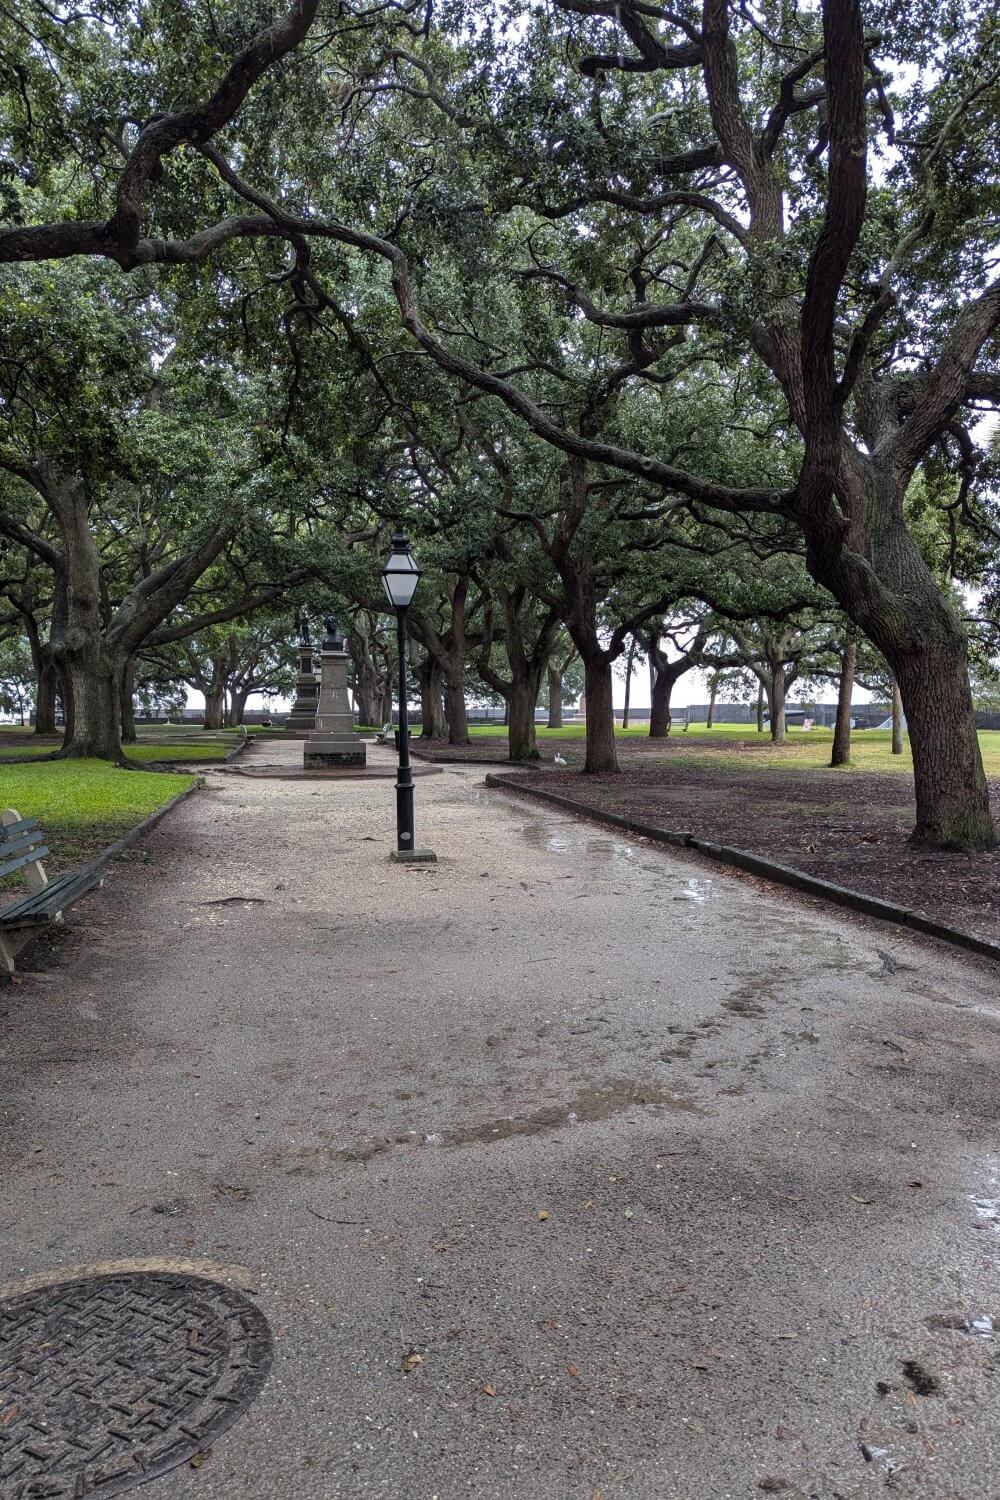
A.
x: 695, y: 889
x: 987, y: 1204
x: 590, y: 849
x: 594, y: 1103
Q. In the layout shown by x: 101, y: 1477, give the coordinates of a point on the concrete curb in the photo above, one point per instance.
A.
x: 753, y: 864
x: 112, y: 851
x: 240, y: 748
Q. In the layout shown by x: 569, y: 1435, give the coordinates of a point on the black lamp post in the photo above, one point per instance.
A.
x: 400, y: 577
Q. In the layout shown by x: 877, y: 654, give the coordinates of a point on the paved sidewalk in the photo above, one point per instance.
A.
x: 678, y: 1187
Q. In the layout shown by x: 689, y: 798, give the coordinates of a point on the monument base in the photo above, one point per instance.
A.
x: 413, y: 857
x: 318, y: 753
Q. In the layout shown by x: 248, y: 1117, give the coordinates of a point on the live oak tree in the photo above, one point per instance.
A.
x: 809, y: 229
x: 126, y: 475
x: 228, y: 663
x: 688, y: 633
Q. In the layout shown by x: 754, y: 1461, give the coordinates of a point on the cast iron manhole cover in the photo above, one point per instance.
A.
x: 111, y: 1380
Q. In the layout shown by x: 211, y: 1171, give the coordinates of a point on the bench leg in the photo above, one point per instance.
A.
x: 11, y: 944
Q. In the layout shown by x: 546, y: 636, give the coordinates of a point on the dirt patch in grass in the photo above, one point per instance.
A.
x: 849, y: 827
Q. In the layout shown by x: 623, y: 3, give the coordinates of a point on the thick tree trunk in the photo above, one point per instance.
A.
x: 366, y: 681
x: 431, y: 717
x: 776, y: 698
x: 953, y: 806
x: 238, y: 706
x: 713, y: 693
x: 555, y: 698
x: 385, y: 692
x: 598, y: 688
x: 921, y: 637
x: 458, y: 716
x: 841, y: 753
x: 91, y: 673
x: 366, y: 699
x: 129, y: 735
x: 95, y: 695
x: 952, y: 795
x: 897, y: 719
x: 45, y: 697
x: 659, y: 709
x: 215, y: 698
x: 521, y: 739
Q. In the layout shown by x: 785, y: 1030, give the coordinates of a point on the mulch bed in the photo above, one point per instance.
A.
x: 848, y: 827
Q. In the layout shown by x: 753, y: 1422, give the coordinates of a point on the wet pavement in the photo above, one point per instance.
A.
x: 564, y: 1167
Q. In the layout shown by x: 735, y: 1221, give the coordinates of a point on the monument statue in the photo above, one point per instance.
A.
x: 333, y: 741
x: 302, y: 719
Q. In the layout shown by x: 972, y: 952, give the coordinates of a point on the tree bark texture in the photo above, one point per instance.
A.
x: 46, y: 690
x: 521, y: 700
x: 713, y: 693
x: 555, y: 683
x: 602, y: 757
x: 431, y: 716
x: 841, y: 752
x: 897, y: 719
x: 776, y: 699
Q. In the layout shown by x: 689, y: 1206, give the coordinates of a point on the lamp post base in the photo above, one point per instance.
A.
x: 413, y: 857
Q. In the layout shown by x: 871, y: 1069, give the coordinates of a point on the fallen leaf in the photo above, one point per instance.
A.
x: 199, y: 1458
x: 487, y: 1390
x: 572, y: 1370
x: 543, y: 1214
x: 855, y: 1198
x: 411, y: 1360
x: 629, y: 1214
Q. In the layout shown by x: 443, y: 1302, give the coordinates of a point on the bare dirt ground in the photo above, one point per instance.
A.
x: 676, y: 1186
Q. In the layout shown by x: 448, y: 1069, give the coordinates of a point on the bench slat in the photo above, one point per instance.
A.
x: 8, y: 830
x: 23, y: 841
x: 65, y: 888
x: 41, y: 906
x: 9, y: 867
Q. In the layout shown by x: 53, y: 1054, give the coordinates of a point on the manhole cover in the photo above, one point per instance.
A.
x: 111, y: 1380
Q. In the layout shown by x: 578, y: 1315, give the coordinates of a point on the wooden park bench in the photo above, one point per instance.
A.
x: 22, y: 847
x: 385, y: 735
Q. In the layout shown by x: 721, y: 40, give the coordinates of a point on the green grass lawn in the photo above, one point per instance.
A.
x: 85, y: 804
x: 740, y: 744
x: 209, y: 748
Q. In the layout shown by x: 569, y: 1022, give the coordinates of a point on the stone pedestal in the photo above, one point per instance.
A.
x: 303, y: 715
x: 333, y: 741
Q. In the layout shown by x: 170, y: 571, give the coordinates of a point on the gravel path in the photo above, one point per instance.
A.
x: 677, y: 1186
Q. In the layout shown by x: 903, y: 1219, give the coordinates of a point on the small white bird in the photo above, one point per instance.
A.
x: 559, y: 760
